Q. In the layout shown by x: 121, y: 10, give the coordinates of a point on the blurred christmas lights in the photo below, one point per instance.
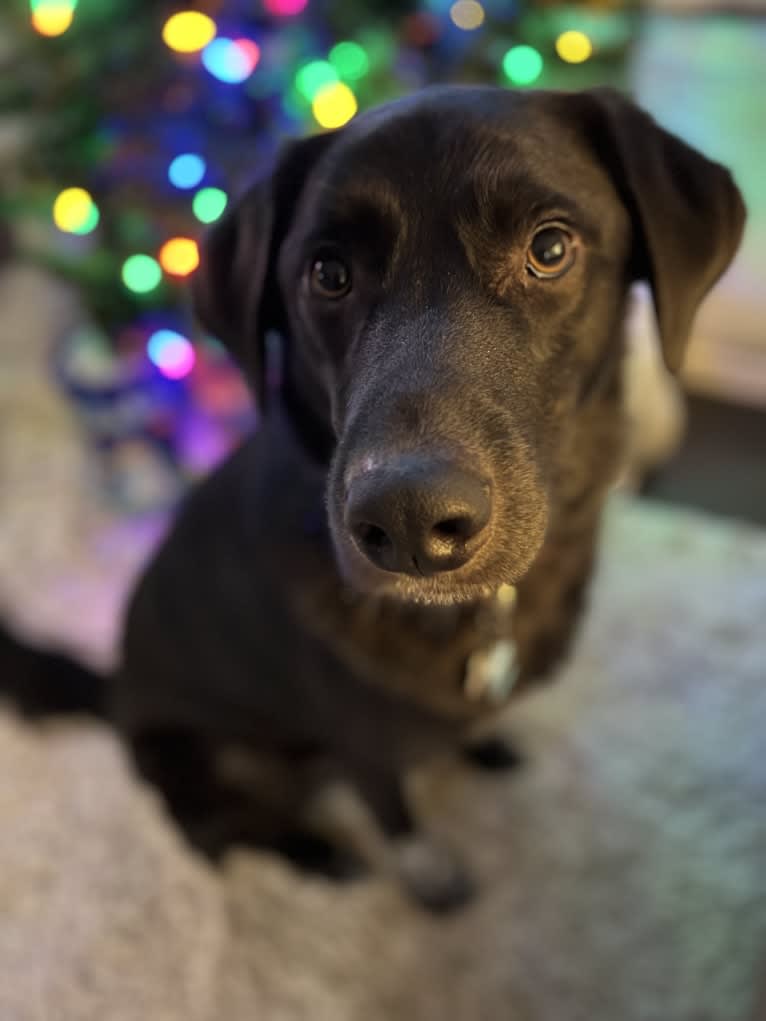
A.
x: 231, y: 60
x: 188, y: 31
x: 172, y: 353
x: 522, y: 65
x: 249, y: 53
x: 179, y: 256
x: 350, y: 60
x: 285, y: 8
x: 75, y: 212
x: 422, y: 29
x: 467, y: 14
x: 574, y: 47
x: 52, y: 17
x: 334, y: 105
x: 312, y: 77
x: 141, y: 273
x: 209, y: 204
x: 187, y: 170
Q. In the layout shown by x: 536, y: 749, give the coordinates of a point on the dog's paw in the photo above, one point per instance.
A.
x: 493, y: 754
x: 433, y: 875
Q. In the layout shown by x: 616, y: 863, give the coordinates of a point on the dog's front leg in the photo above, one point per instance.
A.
x: 213, y: 813
x: 371, y: 818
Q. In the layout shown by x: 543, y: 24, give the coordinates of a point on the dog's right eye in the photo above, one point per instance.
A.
x: 551, y: 252
x: 330, y: 276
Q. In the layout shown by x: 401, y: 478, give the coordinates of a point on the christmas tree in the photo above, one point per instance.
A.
x: 145, y: 118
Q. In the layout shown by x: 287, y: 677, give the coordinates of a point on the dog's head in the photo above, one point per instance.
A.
x: 449, y: 274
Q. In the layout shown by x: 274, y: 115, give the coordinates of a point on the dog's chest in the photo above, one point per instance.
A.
x: 455, y: 662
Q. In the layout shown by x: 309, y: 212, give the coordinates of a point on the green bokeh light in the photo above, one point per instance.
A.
x: 313, y: 76
x: 89, y: 223
x: 35, y: 4
x: 141, y: 273
x: 350, y: 60
x: 209, y: 204
x: 522, y: 65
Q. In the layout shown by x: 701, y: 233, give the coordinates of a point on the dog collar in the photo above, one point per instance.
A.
x: 492, y: 672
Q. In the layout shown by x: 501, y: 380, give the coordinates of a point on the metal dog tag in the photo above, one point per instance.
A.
x: 491, y: 673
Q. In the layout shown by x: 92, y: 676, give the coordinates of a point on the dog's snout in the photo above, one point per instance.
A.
x: 418, y: 515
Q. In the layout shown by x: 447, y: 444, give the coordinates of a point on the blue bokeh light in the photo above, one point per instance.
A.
x: 187, y: 170
x: 172, y: 353
x: 229, y: 60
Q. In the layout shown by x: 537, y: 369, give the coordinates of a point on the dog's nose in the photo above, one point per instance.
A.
x: 418, y: 515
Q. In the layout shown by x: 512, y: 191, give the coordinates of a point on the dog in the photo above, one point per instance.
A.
x: 404, y: 544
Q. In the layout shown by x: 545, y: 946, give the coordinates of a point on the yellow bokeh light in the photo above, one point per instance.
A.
x: 467, y: 14
x: 574, y: 47
x: 53, y: 17
x: 188, y: 31
x: 334, y: 105
x: 179, y: 256
x: 74, y: 211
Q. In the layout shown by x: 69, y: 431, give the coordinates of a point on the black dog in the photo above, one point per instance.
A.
x: 407, y: 539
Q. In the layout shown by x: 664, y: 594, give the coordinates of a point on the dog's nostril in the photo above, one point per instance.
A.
x: 372, y: 538
x: 455, y: 528
x: 374, y: 542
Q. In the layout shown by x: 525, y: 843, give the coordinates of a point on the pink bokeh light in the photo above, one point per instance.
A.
x: 172, y: 353
x: 285, y: 8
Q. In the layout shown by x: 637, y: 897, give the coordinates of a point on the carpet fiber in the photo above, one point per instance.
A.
x: 622, y: 869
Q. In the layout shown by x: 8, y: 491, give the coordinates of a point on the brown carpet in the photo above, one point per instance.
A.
x: 623, y: 871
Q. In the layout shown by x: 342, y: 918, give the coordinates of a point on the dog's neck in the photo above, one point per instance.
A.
x: 461, y: 659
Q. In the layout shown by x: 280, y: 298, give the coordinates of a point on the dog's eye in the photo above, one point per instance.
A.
x: 551, y: 253
x: 330, y: 276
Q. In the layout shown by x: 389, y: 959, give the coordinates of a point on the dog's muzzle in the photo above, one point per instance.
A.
x: 418, y: 515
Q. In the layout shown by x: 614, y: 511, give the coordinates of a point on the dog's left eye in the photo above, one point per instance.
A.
x: 551, y: 253
x: 330, y: 276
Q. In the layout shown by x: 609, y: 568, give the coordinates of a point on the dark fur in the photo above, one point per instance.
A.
x: 261, y: 644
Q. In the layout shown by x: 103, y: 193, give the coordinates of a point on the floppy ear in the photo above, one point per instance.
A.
x: 687, y: 213
x: 234, y: 291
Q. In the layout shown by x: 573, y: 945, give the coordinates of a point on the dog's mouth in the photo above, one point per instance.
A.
x: 433, y: 592
x: 499, y: 563
x: 469, y: 585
